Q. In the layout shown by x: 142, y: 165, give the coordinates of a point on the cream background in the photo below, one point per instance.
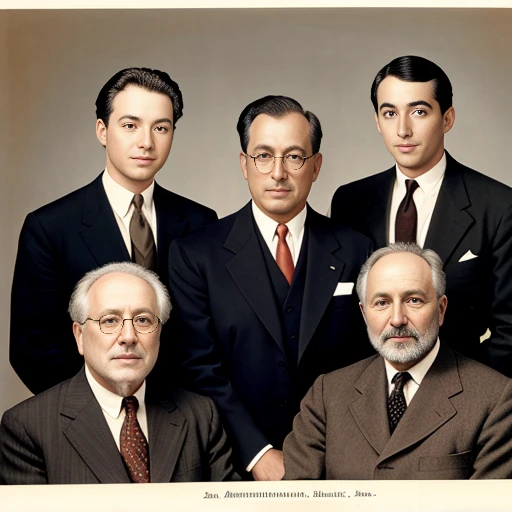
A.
x: 55, y: 62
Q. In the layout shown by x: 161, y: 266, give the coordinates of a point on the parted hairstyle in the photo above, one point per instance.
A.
x: 152, y: 80
x: 428, y: 255
x: 78, y: 304
x: 277, y: 107
x: 411, y: 68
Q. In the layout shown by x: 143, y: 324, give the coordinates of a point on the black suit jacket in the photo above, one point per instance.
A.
x: 58, y: 244
x: 61, y: 437
x: 473, y: 213
x: 230, y: 326
x: 458, y: 425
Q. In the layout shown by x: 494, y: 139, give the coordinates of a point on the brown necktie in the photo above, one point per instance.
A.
x: 407, y: 216
x: 283, y: 255
x: 134, y: 447
x: 143, y: 244
x: 396, y: 401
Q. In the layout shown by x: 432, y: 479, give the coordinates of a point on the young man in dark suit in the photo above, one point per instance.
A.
x: 105, y: 425
x: 264, y: 297
x: 122, y: 215
x: 418, y: 410
x: 430, y: 198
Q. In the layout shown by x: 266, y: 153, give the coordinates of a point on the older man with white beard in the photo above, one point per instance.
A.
x: 418, y: 410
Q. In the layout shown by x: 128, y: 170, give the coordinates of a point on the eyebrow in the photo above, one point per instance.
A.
x: 419, y: 103
x: 265, y: 147
x: 136, y: 118
x: 406, y: 293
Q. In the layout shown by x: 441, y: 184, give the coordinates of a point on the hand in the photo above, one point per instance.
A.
x: 270, y: 466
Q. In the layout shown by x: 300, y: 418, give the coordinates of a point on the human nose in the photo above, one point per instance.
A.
x: 398, y: 316
x: 404, y: 127
x: 145, y: 139
x: 278, y: 171
x: 127, y: 334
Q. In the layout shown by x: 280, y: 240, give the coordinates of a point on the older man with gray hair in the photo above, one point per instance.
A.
x: 103, y: 426
x: 417, y: 410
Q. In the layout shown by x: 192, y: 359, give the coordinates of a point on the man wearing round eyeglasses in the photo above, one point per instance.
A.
x: 105, y: 425
x: 265, y: 296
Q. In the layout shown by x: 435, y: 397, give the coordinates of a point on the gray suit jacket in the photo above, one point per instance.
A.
x: 61, y: 437
x: 457, y: 426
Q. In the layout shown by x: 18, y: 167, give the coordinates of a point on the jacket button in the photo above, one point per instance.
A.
x: 289, y: 310
x: 282, y: 402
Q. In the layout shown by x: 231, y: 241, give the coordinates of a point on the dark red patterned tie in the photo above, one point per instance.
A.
x: 134, y: 447
x: 396, y: 401
x: 407, y: 217
x: 283, y: 255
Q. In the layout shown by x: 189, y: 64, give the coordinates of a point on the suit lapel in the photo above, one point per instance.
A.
x: 89, y: 433
x: 377, y: 210
x: 370, y: 410
x: 431, y: 406
x: 450, y: 220
x: 249, y: 272
x: 324, y: 271
x: 100, y: 231
x: 167, y: 431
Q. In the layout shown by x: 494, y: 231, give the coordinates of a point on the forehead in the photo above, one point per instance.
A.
x: 399, y: 92
x: 276, y: 132
x: 399, y: 272
x: 121, y: 291
x: 139, y: 102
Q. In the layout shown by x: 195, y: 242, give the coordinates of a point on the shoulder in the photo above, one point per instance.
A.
x: 363, y: 185
x: 473, y: 374
x: 186, y: 206
x: 36, y: 409
x: 479, y: 183
x: 341, y: 232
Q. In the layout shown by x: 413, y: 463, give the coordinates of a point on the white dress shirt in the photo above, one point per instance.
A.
x: 417, y: 372
x: 111, y: 403
x: 120, y: 200
x: 424, y: 197
x: 267, y: 227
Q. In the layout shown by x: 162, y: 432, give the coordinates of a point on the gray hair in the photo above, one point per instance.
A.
x: 78, y: 303
x: 429, y: 256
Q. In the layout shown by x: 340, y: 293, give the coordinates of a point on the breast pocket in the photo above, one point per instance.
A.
x: 455, y: 465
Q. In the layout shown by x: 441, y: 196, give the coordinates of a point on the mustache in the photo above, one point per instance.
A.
x: 399, y: 332
x: 136, y: 351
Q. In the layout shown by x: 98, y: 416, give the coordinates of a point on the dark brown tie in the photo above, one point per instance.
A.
x: 283, y: 255
x: 407, y: 216
x: 396, y: 401
x: 133, y: 444
x: 143, y: 243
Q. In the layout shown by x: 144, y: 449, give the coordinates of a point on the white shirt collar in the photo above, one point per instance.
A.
x: 121, y: 199
x: 419, y: 370
x: 428, y: 180
x: 110, y: 402
x: 267, y: 226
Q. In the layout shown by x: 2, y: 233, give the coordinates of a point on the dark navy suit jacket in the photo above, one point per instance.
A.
x: 230, y: 328
x: 58, y: 244
x: 473, y: 213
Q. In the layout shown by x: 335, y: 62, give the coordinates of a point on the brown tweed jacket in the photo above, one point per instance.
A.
x: 457, y: 426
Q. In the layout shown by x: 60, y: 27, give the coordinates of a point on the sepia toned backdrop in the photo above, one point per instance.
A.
x: 55, y: 62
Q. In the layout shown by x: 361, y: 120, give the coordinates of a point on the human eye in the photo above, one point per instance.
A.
x: 420, y: 112
x: 129, y: 126
x: 293, y: 157
x: 110, y: 320
x: 389, y: 114
x: 264, y: 157
x: 162, y: 129
x: 380, y: 303
x: 415, y: 301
